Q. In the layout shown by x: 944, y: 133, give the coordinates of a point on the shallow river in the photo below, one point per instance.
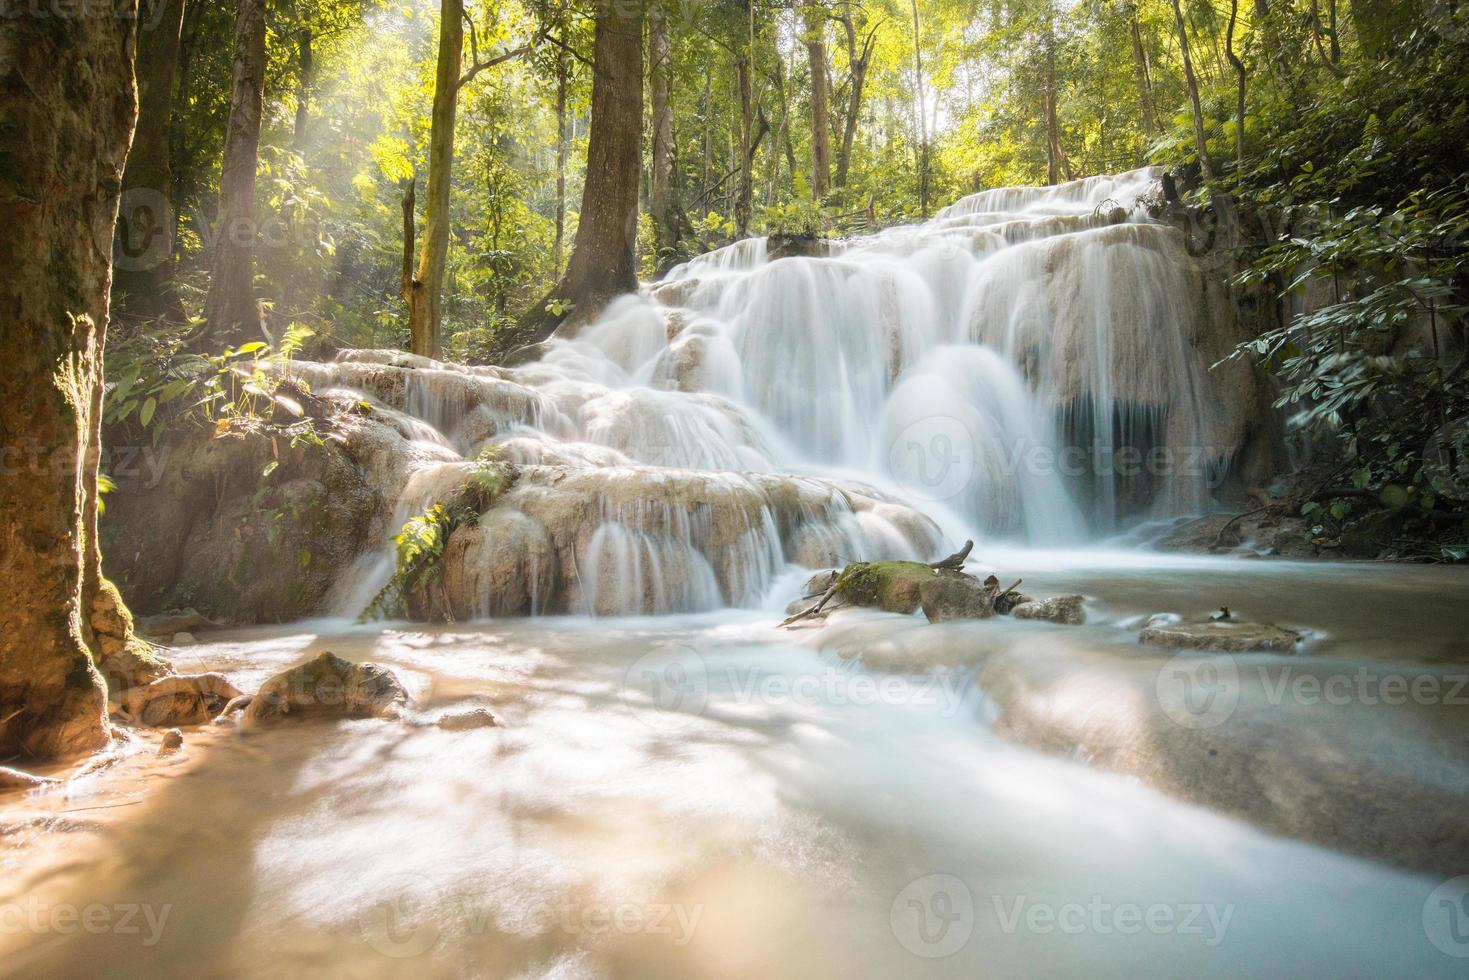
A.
x: 708, y: 796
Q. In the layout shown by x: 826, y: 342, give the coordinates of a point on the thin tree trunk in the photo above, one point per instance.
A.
x: 143, y: 251
x: 426, y: 291
x: 561, y: 147
x: 71, y: 79
x: 820, y: 98
x: 922, y: 115
x: 604, y: 260
x: 663, y: 206
x: 745, y: 185
x: 410, y: 193
x: 857, y: 65
x: 1144, y: 79
x: 230, y: 307
x: 304, y: 82
x: 1239, y: 86
x: 707, y: 162
x: 1201, y: 143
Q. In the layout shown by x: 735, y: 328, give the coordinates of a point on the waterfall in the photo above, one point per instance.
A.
x: 1032, y: 365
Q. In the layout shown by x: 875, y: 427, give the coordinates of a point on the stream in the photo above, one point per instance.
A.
x: 706, y: 796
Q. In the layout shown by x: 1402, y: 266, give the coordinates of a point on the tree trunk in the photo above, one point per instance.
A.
x: 604, y: 259
x: 68, y: 102
x: 1144, y: 76
x: 922, y: 115
x: 561, y: 148
x: 426, y: 291
x: 1239, y: 86
x: 857, y: 63
x: 143, y: 250
x: 230, y: 308
x: 745, y: 180
x: 820, y: 98
x: 304, y: 82
x: 1201, y: 144
x: 668, y: 219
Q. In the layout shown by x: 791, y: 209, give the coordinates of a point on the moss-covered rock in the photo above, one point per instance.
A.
x: 893, y: 586
x: 954, y: 595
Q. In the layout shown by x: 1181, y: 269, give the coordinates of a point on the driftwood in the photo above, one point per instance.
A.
x: 812, y: 610
x: 955, y: 561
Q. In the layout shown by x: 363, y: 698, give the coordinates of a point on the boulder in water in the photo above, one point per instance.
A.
x: 893, y: 586
x: 459, y: 721
x: 1225, y: 635
x: 11, y: 779
x: 173, y: 621
x: 955, y: 595
x: 175, y: 701
x: 330, y: 686
x: 1067, y: 609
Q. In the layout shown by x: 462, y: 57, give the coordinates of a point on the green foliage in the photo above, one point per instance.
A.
x: 419, y: 544
x: 155, y: 383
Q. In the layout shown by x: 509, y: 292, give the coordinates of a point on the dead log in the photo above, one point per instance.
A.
x: 954, y: 562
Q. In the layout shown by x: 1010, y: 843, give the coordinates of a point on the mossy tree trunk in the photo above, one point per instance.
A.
x: 67, y: 110
x: 425, y: 293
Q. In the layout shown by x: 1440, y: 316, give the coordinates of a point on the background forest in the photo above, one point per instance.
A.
x: 1319, y: 149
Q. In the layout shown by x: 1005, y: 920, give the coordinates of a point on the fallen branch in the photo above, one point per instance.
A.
x: 813, y: 610
x: 954, y: 562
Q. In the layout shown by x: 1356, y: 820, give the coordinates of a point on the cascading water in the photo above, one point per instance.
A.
x: 978, y: 375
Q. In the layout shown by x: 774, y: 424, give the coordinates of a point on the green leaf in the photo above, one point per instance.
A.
x: 149, y: 407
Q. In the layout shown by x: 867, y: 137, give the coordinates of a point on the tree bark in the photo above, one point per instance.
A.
x: 143, y: 250
x: 820, y: 99
x: 230, y: 307
x: 68, y: 105
x: 603, y: 261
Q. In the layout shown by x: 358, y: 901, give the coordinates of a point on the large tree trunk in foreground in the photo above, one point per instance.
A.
x: 426, y: 293
x: 143, y: 252
x: 230, y: 308
x: 67, y: 108
x: 604, y: 259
